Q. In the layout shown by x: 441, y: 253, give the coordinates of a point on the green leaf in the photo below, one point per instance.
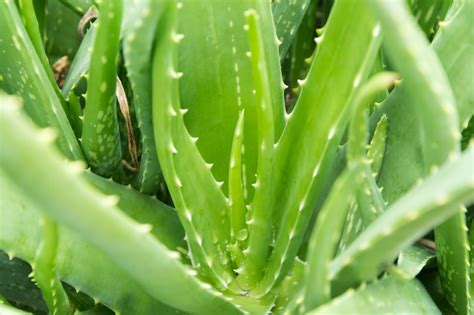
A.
x: 61, y: 36
x: 45, y: 269
x: 409, y: 218
x: 325, y: 236
x: 137, y: 49
x: 16, y: 285
x: 163, y: 219
x: 389, y: 295
x: 452, y: 251
x: 213, y: 59
x: 413, y: 259
x: 100, y: 134
x: 42, y: 103
x: 236, y: 192
x: 260, y: 232
x: 427, y: 86
x: 97, y: 219
x: 454, y: 45
x: 376, y: 150
x: 204, y: 215
x: 79, y: 264
x: 315, y: 127
x: 288, y: 15
x: 78, y: 6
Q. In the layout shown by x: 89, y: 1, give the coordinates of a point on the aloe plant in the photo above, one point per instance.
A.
x: 227, y: 157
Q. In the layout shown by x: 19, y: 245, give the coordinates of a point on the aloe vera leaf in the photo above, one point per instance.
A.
x: 388, y: 295
x: 424, y: 78
x: 376, y: 150
x: 288, y: 15
x: 137, y: 49
x: 370, y: 202
x: 78, y: 263
x: 89, y: 210
x: 354, y: 224
x: 452, y: 251
x: 295, y: 187
x: 74, y: 113
x: 427, y: 13
x: 404, y: 132
x: 260, y: 231
x: 18, y: 57
x: 236, y: 193
x: 325, y: 236
x: 302, y: 47
x: 76, y: 73
x: 213, y: 29
x: 40, y: 13
x: 45, y: 269
x: 10, y: 310
x: 410, y: 217
x: 437, y: 117
x: 358, y: 130
x: 100, y: 134
x: 204, y: 215
x: 290, y: 287
x: 16, y: 285
x: 413, y: 259
x: 352, y: 227
x: 61, y: 36
x: 375, y: 153
x: 28, y: 14
x: 30, y: 22
x: 163, y: 219
x: 75, y: 262
x: 458, y: 60
x: 78, y: 6
x: 81, y: 62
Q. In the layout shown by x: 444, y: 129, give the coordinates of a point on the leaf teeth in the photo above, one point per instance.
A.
x: 376, y: 30
x: 331, y: 132
x: 316, y: 170
x: 144, y: 228
x: 301, y: 82
x: 177, y: 37
x: 175, y: 74
x: 171, y: 111
x: 76, y: 167
x: 174, y: 255
x: 442, y: 24
x: 172, y: 148
x: 111, y: 200
x: 194, y: 140
x: 188, y: 214
x: 47, y: 135
x: 199, y: 239
x: 178, y: 181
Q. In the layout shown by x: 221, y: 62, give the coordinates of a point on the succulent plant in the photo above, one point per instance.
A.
x: 182, y: 156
